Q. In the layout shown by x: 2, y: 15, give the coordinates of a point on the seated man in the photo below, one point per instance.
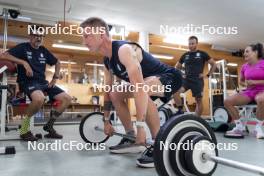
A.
x: 32, y: 59
x: 252, y: 76
x: 131, y: 63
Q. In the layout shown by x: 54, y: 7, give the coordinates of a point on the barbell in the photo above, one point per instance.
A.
x: 175, y: 161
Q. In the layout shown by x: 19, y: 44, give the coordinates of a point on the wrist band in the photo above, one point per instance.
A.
x: 140, y: 124
x: 106, y: 119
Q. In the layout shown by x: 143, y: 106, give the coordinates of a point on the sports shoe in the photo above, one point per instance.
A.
x: 52, y: 134
x: 258, y: 133
x: 235, y: 133
x: 146, y: 160
x: 28, y: 136
x: 126, y: 146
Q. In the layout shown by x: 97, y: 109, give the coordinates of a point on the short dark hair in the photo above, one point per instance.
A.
x: 259, y: 48
x: 95, y: 22
x: 193, y: 37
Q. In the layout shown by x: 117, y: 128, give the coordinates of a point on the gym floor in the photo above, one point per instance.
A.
x: 61, y: 163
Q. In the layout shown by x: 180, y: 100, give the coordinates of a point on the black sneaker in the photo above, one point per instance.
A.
x: 126, y: 146
x: 52, y: 134
x: 28, y: 136
x: 146, y: 160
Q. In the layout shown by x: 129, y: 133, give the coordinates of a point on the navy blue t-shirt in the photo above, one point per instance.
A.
x: 150, y: 66
x: 36, y: 58
x: 194, y: 63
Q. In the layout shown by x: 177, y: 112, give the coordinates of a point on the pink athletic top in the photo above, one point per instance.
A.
x: 254, y: 72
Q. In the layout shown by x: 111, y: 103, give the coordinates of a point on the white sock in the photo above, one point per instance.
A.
x: 259, y: 125
x: 239, y: 125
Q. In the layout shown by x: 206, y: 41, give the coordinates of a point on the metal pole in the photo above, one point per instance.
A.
x: 5, y: 11
x: 210, y: 93
x: 3, y: 104
x: 224, y: 79
x: 235, y: 164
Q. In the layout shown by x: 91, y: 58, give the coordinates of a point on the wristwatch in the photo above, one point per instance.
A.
x: 208, y: 75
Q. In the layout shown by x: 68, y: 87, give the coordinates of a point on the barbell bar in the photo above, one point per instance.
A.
x: 202, y: 155
x: 235, y: 164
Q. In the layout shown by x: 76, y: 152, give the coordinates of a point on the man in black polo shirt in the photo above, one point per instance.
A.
x: 194, y: 61
x: 31, y: 59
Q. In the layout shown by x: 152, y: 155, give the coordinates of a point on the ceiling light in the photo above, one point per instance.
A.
x: 68, y: 62
x: 232, y: 64
x: 161, y: 56
x: 93, y: 64
x: 70, y: 46
x: 24, y: 18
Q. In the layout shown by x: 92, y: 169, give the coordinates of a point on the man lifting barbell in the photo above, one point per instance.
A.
x: 32, y: 58
x: 131, y: 63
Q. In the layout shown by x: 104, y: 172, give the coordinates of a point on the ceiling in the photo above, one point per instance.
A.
x: 147, y: 15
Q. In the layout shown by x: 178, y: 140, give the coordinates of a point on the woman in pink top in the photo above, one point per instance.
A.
x: 252, y: 77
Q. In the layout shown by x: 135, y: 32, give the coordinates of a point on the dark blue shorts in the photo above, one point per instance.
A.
x: 29, y: 87
x: 172, y: 79
x: 196, y: 85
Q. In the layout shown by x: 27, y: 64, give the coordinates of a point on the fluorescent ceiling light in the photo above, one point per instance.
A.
x: 161, y: 56
x: 70, y: 46
x: 24, y: 18
x: 67, y: 62
x: 232, y: 64
x: 93, y: 64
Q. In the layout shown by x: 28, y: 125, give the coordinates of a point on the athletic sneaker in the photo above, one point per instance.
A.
x: 52, y: 134
x: 235, y: 132
x: 258, y: 133
x: 28, y: 136
x: 126, y: 146
x: 146, y: 160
